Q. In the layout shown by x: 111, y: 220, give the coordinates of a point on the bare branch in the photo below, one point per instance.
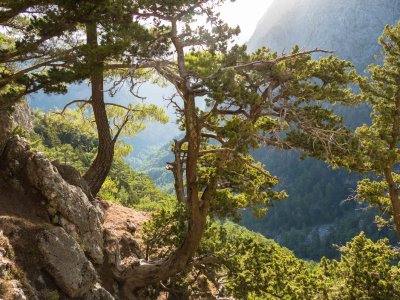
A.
x: 22, y: 72
x: 213, y: 136
x: 121, y: 127
x: 85, y: 102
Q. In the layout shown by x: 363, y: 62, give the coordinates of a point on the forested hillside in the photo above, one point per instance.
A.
x: 316, y: 215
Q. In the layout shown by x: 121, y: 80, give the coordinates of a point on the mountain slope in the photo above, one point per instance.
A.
x: 316, y: 216
x: 350, y: 28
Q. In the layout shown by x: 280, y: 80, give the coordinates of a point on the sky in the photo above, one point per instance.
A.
x: 246, y: 14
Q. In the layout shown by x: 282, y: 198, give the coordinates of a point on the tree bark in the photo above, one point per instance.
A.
x: 196, y: 199
x: 394, y: 198
x: 98, y: 171
x: 393, y: 190
x: 148, y: 273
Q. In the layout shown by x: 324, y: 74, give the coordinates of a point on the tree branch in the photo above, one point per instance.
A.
x: 85, y: 102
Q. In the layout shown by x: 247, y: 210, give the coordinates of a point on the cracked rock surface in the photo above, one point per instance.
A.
x: 66, y: 262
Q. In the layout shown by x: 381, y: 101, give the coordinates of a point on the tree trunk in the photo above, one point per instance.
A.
x: 393, y: 190
x: 148, y: 273
x: 101, y: 166
x: 394, y: 198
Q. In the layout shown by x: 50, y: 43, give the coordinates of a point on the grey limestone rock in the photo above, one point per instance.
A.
x: 98, y: 293
x: 64, y: 200
x: 72, y: 176
x: 66, y: 262
x: 15, y: 156
x: 10, y: 118
x: 70, y: 201
x: 351, y: 28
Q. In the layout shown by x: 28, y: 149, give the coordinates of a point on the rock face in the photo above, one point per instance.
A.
x: 11, y: 118
x: 98, y: 293
x: 120, y: 245
x: 72, y: 176
x: 70, y: 202
x: 9, y: 282
x: 74, y: 273
x: 350, y: 28
x: 76, y: 243
x: 68, y: 205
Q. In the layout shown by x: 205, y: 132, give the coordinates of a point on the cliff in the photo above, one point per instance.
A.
x: 350, y: 28
x: 56, y: 242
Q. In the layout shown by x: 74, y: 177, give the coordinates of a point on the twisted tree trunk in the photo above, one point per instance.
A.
x: 148, y: 273
x: 101, y: 166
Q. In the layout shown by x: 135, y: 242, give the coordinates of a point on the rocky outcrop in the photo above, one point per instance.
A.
x: 69, y: 203
x: 121, y: 247
x: 77, y: 241
x: 55, y: 244
x: 12, y: 118
x: 72, y: 176
x: 98, y: 293
x: 10, y: 284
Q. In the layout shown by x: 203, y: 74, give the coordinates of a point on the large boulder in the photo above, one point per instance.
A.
x: 66, y: 262
x: 72, y: 176
x: 68, y: 205
x: 64, y: 256
x: 70, y: 201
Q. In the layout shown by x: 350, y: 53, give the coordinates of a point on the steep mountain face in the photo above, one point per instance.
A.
x: 316, y: 215
x: 350, y: 28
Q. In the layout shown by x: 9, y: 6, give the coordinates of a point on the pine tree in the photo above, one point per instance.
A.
x: 375, y: 148
x: 252, y: 100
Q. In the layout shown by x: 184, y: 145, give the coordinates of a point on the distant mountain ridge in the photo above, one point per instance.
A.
x: 349, y: 27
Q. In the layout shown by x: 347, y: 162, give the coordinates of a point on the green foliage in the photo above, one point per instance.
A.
x: 366, y: 270
x: 133, y: 189
x: 256, y: 268
x: 39, y: 34
x: 129, y: 121
x: 71, y: 139
x: 375, y: 148
x: 246, y: 265
x: 165, y: 231
x: 253, y: 99
x: 316, y: 215
x: 247, y: 185
x: 66, y: 138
